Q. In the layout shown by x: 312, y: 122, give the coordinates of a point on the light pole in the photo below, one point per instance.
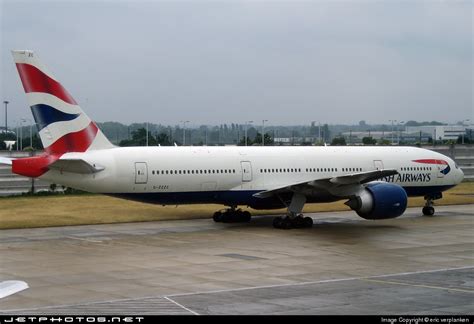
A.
x: 184, y: 130
x: 465, y: 120
x: 17, y: 137
x: 400, y: 131
x: 246, y: 125
x: 319, y: 133
x: 6, y: 116
x: 31, y: 134
x: 22, y: 120
x: 393, y: 121
x: 263, y: 131
x: 146, y: 133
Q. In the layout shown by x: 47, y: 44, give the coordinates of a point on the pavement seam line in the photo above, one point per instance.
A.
x: 242, y: 289
x: 318, y: 282
x: 178, y: 304
x: 416, y: 285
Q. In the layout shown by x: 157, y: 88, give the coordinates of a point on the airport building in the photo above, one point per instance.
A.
x: 441, y: 133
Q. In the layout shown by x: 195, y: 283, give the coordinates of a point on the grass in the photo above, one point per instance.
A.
x: 29, y: 212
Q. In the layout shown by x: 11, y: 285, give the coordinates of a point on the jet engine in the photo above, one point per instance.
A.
x: 379, y: 200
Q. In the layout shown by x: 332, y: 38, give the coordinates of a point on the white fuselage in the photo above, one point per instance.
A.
x: 163, y: 174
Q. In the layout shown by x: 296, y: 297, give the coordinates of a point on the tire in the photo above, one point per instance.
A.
x: 428, y: 211
x: 217, y: 217
x: 246, y: 217
x: 308, y: 222
x: 277, y: 222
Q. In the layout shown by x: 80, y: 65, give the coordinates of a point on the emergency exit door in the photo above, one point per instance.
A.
x: 141, y: 173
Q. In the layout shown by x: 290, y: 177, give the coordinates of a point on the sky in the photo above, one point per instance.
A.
x: 214, y: 62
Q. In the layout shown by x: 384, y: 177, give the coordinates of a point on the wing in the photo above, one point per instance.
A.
x: 75, y: 166
x: 342, y: 186
x: 11, y: 287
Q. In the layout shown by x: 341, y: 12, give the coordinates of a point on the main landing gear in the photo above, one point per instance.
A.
x: 428, y: 209
x: 292, y: 222
x: 294, y: 218
x: 232, y: 215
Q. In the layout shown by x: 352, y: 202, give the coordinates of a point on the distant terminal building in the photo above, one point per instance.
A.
x: 440, y: 133
x: 413, y: 134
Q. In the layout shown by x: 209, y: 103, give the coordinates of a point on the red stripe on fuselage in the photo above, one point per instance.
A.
x: 36, y: 166
x: 431, y: 161
x: 34, y: 80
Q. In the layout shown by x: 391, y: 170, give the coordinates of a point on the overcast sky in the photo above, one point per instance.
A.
x: 213, y: 62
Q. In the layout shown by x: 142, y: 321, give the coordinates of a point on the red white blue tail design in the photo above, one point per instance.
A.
x: 63, y: 126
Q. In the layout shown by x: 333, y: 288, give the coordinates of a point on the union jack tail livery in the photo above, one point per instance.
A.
x: 62, y: 125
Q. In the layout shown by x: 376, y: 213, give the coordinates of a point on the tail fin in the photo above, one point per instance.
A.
x: 62, y: 125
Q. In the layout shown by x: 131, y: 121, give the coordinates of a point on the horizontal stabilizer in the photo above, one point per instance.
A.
x: 5, y: 160
x: 75, y: 166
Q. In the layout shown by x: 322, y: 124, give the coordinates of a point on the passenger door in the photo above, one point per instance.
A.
x: 141, y: 173
x: 246, y: 171
x: 378, y: 164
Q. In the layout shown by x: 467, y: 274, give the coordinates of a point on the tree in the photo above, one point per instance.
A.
x: 163, y: 139
x: 369, y: 140
x: 139, y: 138
x: 338, y: 141
x: 384, y: 142
x: 258, y: 139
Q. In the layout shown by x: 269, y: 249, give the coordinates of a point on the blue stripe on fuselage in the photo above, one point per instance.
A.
x: 245, y: 197
x: 45, y: 115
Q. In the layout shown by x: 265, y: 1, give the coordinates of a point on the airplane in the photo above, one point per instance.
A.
x: 375, y: 181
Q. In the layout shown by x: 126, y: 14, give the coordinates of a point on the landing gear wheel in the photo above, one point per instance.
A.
x: 246, y: 217
x: 232, y: 215
x: 277, y: 221
x: 217, y: 217
x: 308, y: 222
x: 286, y: 223
x: 428, y: 211
x: 289, y: 223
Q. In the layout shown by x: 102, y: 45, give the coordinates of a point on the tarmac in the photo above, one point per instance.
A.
x: 343, y: 265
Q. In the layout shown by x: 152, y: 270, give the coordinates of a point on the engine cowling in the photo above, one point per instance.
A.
x: 380, y: 200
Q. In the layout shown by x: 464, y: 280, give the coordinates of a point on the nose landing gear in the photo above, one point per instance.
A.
x: 428, y: 209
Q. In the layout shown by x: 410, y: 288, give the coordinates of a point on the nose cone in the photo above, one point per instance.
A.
x: 460, y: 176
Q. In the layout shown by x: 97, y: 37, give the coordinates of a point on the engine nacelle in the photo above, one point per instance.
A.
x: 380, y: 200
